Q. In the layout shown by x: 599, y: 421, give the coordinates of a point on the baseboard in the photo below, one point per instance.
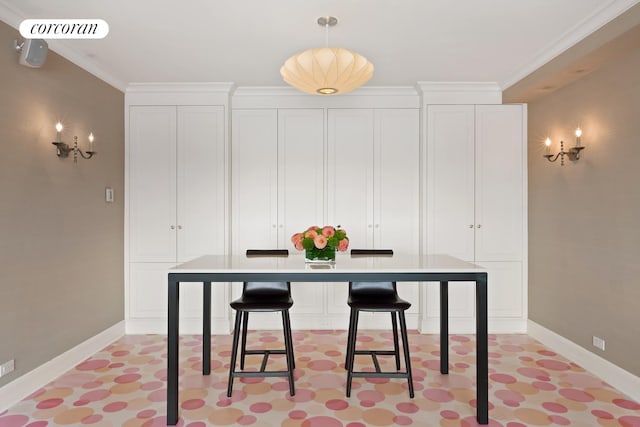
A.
x: 615, y: 376
x: 23, y: 386
x: 467, y: 326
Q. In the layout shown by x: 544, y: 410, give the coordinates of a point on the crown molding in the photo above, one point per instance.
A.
x: 14, y: 17
x: 175, y: 87
x: 606, y: 13
x: 459, y: 92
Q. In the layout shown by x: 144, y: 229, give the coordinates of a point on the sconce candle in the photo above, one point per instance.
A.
x: 578, y: 135
x: 58, y: 132
x: 91, y: 138
x: 547, y: 149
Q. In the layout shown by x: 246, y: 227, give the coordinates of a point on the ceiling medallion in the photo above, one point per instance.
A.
x: 327, y: 70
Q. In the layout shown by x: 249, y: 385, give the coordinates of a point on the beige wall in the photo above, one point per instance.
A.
x: 584, y: 217
x: 61, y: 245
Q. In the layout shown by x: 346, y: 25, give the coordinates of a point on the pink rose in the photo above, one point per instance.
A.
x: 311, y: 233
x: 343, y: 245
x: 328, y: 231
x: 299, y: 245
x: 320, y: 241
x: 297, y: 238
x: 313, y: 227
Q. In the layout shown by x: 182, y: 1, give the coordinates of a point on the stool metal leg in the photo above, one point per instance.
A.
x: 351, y: 349
x: 234, y: 352
x: 347, y: 357
x: 243, y: 348
x: 405, y: 346
x: 288, y: 344
x: 396, y: 347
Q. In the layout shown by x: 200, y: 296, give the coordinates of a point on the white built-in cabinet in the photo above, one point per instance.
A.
x: 476, y: 207
x: 278, y: 170
x: 175, y: 207
x: 374, y: 186
x: 437, y: 170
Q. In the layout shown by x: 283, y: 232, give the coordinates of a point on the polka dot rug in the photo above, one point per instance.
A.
x: 125, y: 385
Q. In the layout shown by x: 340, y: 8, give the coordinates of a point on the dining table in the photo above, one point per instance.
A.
x: 225, y: 269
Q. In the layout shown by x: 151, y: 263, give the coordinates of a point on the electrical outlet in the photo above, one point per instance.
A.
x: 598, y: 342
x: 108, y: 195
x: 7, y: 367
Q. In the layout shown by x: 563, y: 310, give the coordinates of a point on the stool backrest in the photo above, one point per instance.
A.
x: 373, y: 288
x: 266, y: 289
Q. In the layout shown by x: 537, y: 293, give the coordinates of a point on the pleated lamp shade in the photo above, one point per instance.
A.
x: 326, y: 70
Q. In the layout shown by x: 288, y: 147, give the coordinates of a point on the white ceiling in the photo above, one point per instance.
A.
x: 246, y: 41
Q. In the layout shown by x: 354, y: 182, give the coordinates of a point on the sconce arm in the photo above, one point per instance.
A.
x: 553, y: 158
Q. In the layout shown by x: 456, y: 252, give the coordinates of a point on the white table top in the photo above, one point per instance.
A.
x: 345, y: 263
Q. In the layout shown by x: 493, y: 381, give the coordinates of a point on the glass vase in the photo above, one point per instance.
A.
x: 324, y: 255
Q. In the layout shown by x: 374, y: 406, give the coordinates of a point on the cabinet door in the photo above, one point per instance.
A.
x: 450, y: 180
x: 301, y: 190
x: 254, y: 179
x: 499, y: 182
x: 201, y: 182
x: 350, y: 174
x: 152, y: 183
x: 397, y: 192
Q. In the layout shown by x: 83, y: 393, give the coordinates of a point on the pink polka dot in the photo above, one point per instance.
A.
x: 116, y: 365
x: 49, y: 403
x: 372, y: 395
x: 438, y: 395
x: 554, y: 365
x: 332, y: 353
x: 602, y: 414
x: 269, y: 338
x: 336, y: 404
x: 305, y: 348
x: 297, y: 415
x: 92, y: 365
x: 514, y: 424
x: 630, y: 421
x: 355, y: 424
x: 192, y: 404
x: 401, y: 420
x: 627, y: 404
x: 459, y: 338
x: 147, y: 413
x: 449, y: 415
x: 246, y: 420
x: 115, y: 407
x: 534, y: 373
x: 503, y: 378
x: 561, y: 421
x: 554, y: 407
x: 95, y: 395
x: 92, y: 419
x: 321, y: 421
x: 304, y: 395
x: 407, y: 408
x: 152, y: 385
x: 576, y: 395
x: 196, y: 424
x: 119, y: 353
x: 260, y: 407
x: 14, y: 421
x: 127, y: 378
x: 364, y: 338
x: 367, y: 403
x: 91, y: 384
x: 81, y: 402
x: 509, y: 396
x: 547, y: 353
x: 158, y: 395
x: 322, y: 365
x: 38, y: 424
x: 543, y: 386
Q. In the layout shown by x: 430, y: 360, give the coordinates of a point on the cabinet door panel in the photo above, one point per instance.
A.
x: 499, y: 182
x: 350, y: 176
x: 505, y: 289
x: 152, y: 184
x: 254, y: 179
x: 201, y: 172
x: 301, y: 189
x: 397, y: 179
x: 450, y: 180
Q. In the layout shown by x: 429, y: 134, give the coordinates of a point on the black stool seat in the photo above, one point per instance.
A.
x: 262, y: 297
x: 375, y: 296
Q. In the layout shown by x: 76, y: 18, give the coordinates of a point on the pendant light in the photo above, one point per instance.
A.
x: 327, y: 70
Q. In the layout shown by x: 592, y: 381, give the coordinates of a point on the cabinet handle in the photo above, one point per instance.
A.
x: 479, y: 225
x: 281, y: 226
x: 377, y: 225
x: 369, y: 226
x: 179, y: 227
x: 173, y: 227
x: 470, y: 225
x: 273, y: 225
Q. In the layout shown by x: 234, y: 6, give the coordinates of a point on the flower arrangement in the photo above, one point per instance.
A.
x: 321, y: 243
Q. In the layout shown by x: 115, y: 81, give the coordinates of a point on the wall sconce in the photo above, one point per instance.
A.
x: 573, y: 153
x: 63, y: 149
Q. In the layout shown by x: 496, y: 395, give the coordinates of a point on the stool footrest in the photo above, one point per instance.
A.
x: 363, y: 374
x: 261, y: 374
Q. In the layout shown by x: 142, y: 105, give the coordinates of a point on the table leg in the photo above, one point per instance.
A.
x: 172, y: 353
x: 444, y: 327
x: 206, y: 328
x: 482, y: 351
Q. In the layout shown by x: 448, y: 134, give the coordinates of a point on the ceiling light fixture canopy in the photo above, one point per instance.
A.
x: 327, y: 70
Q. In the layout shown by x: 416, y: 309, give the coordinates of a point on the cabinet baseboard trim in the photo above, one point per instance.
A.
x: 187, y: 326
x: 617, y: 377
x: 23, y: 386
x: 467, y: 325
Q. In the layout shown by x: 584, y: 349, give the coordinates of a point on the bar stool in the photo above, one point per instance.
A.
x: 262, y: 297
x: 377, y: 297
